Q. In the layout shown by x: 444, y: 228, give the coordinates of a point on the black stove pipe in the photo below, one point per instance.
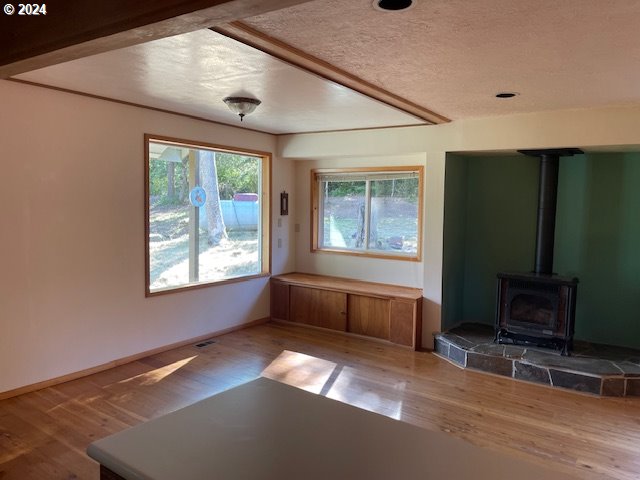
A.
x: 547, y: 200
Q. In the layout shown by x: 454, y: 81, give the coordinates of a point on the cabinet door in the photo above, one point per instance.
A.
x: 403, y: 322
x: 279, y: 300
x: 368, y: 316
x: 320, y: 308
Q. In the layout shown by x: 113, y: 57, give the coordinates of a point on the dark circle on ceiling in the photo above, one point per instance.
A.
x: 506, y: 95
x: 393, y: 5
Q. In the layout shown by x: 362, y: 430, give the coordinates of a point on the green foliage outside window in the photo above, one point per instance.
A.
x: 406, y: 188
x: 235, y: 175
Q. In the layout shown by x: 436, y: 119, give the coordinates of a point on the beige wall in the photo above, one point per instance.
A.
x: 613, y: 128
x: 72, y: 236
x: 71, y: 206
x: 399, y: 272
x: 586, y: 128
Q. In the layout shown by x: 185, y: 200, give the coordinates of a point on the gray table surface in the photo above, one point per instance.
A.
x: 266, y: 430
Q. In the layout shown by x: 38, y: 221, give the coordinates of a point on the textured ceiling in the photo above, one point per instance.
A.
x: 448, y: 56
x: 453, y: 56
x: 192, y: 73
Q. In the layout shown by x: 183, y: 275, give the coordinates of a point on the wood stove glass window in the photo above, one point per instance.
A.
x: 528, y: 308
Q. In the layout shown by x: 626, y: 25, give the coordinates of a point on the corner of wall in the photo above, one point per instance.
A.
x: 455, y: 238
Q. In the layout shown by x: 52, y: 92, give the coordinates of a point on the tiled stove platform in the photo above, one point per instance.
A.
x: 592, y: 368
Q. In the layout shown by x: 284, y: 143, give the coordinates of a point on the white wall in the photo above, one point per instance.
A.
x: 613, y: 128
x: 72, y: 236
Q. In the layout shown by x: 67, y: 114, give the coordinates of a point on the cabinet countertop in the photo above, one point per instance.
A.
x: 350, y: 285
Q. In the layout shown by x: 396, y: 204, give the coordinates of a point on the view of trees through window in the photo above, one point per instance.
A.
x: 372, y: 212
x: 204, y: 215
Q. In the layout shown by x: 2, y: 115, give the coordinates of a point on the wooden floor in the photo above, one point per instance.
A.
x: 44, y: 434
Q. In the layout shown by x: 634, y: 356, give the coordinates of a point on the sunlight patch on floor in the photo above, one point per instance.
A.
x: 345, y: 390
x: 300, y: 370
x: 155, y: 376
x: 334, y: 381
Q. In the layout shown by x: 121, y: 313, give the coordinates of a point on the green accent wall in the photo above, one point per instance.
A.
x: 454, y: 255
x: 490, y: 224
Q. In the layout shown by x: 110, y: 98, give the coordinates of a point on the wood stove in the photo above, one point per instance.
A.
x: 538, y: 308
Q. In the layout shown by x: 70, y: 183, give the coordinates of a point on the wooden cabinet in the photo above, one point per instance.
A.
x: 320, y: 308
x: 369, y: 316
x: 387, y: 312
x: 403, y: 327
x: 280, y: 300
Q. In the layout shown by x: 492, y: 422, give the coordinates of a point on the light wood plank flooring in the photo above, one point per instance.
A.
x: 44, y: 434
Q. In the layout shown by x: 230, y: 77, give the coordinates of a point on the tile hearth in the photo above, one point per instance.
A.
x: 592, y: 368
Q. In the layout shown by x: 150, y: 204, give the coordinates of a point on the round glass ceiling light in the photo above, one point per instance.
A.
x: 393, y: 5
x: 242, y: 105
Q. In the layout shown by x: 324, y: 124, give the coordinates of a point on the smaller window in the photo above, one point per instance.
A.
x: 372, y: 212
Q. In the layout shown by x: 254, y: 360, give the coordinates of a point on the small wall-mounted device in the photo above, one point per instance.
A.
x: 284, y: 203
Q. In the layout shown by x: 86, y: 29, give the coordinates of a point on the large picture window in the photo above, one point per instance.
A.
x: 373, y: 212
x: 207, y: 214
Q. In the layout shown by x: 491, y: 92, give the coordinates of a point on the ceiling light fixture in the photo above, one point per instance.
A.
x: 392, y: 5
x: 241, y: 105
x: 506, y: 94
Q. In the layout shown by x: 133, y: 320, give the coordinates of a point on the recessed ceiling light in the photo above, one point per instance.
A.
x: 506, y: 94
x: 393, y: 5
